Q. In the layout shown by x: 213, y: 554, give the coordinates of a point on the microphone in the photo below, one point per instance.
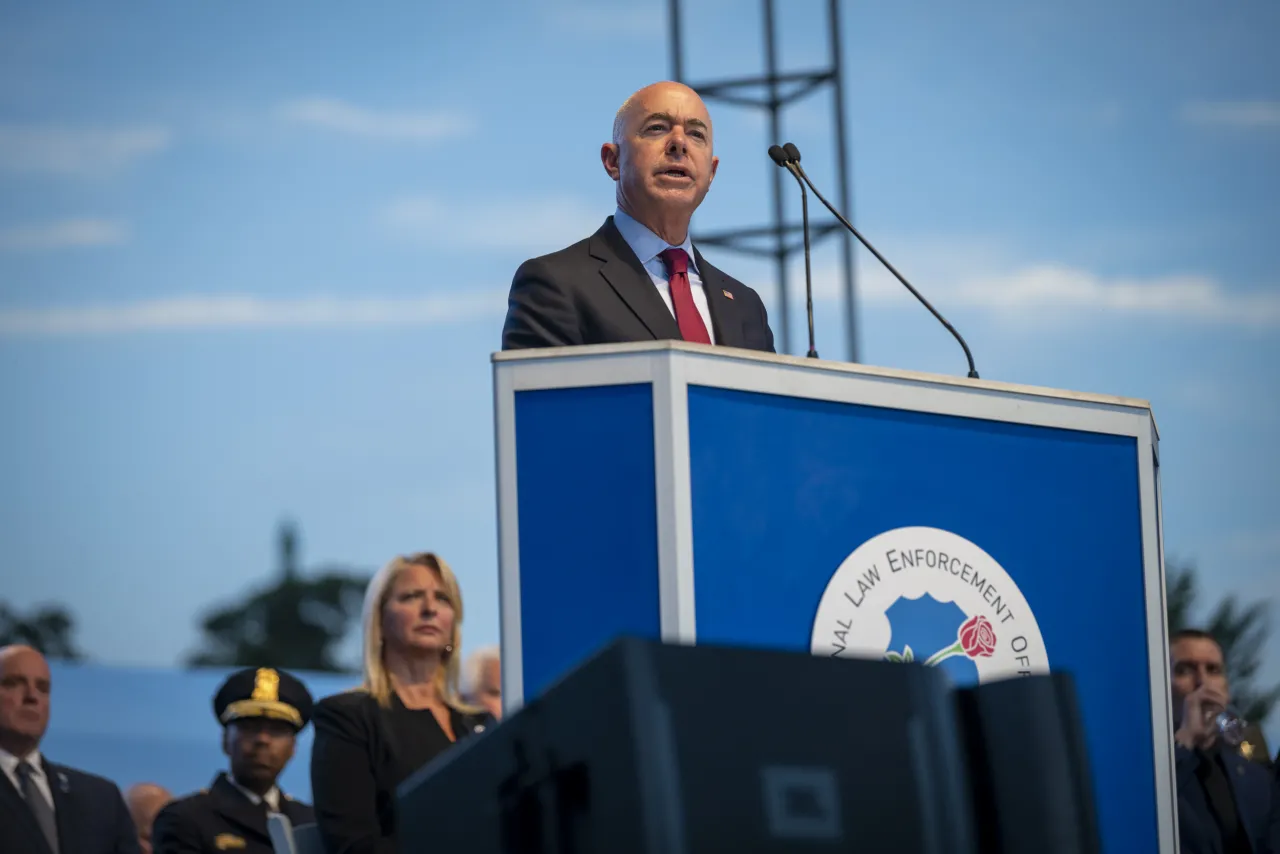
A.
x: 791, y: 160
x: 780, y: 157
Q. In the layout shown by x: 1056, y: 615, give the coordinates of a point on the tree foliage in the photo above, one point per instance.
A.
x: 296, y: 622
x: 1240, y: 629
x: 48, y: 629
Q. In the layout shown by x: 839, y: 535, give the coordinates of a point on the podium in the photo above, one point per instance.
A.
x: 705, y: 494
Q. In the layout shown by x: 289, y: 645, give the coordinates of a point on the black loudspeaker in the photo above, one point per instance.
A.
x: 1029, y: 767
x: 662, y: 749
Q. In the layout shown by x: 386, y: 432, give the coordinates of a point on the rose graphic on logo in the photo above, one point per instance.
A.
x: 976, y: 639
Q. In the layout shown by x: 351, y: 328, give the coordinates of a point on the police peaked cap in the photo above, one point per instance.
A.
x: 263, y: 692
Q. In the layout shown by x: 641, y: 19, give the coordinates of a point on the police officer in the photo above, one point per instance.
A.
x: 261, y: 711
x: 1226, y: 802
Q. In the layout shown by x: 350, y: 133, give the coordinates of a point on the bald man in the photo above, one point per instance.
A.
x: 482, y: 680
x: 639, y: 277
x: 145, y: 800
x: 47, y: 808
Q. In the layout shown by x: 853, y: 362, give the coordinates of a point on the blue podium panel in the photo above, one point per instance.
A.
x: 786, y: 489
x: 588, y: 524
x: 701, y: 494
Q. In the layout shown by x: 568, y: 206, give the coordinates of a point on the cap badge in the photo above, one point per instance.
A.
x: 266, y: 686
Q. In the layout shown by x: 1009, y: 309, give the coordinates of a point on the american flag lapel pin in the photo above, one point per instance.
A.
x: 726, y: 293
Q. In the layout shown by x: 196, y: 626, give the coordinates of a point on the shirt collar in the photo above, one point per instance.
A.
x: 272, y: 797
x: 645, y: 243
x: 10, y: 763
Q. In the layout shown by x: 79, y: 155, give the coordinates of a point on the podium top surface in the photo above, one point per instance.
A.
x: 734, y: 354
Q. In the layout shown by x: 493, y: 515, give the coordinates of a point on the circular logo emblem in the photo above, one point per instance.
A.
x: 929, y: 596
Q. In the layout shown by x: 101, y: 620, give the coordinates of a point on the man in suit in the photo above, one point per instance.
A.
x: 639, y: 277
x: 47, y: 808
x: 261, y: 711
x: 1226, y: 804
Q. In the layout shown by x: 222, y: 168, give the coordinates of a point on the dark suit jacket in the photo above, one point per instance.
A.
x: 597, y: 292
x: 90, y: 812
x: 355, y: 769
x: 220, y: 818
x: 1257, y: 798
x: 1254, y: 746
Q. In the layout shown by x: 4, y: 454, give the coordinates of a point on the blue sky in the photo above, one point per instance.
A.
x: 253, y: 262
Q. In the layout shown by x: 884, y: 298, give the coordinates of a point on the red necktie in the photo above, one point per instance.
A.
x: 691, y: 326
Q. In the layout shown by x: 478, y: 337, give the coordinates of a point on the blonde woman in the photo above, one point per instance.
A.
x: 407, y: 712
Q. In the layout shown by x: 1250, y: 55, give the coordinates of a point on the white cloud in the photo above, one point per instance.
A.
x: 1185, y: 296
x: 342, y: 117
x: 537, y: 225
x: 975, y: 274
x: 67, y: 233
x: 196, y: 313
x: 84, y: 151
x: 1233, y: 114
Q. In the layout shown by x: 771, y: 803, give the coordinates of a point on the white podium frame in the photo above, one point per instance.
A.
x: 672, y: 366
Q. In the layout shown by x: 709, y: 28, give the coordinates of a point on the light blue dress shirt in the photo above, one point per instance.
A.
x: 648, y: 246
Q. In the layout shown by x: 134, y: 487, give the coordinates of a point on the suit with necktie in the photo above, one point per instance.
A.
x: 597, y: 291
x: 221, y: 818
x: 80, y: 814
x: 1226, y: 804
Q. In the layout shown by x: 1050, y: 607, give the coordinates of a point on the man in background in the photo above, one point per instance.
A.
x: 145, y: 800
x: 261, y: 711
x: 482, y: 680
x: 46, y: 808
x: 639, y: 277
x: 1226, y: 804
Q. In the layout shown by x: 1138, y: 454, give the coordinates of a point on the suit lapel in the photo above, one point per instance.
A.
x: 297, y: 813
x: 232, y: 805
x: 11, y: 801
x: 626, y: 275
x: 723, y: 308
x: 465, y: 725
x: 63, y: 805
x: 1237, y: 772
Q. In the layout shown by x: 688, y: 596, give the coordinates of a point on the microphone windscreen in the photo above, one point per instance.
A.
x: 793, y: 153
x: 778, y: 155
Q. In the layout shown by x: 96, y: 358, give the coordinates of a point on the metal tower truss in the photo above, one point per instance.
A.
x: 772, y: 92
